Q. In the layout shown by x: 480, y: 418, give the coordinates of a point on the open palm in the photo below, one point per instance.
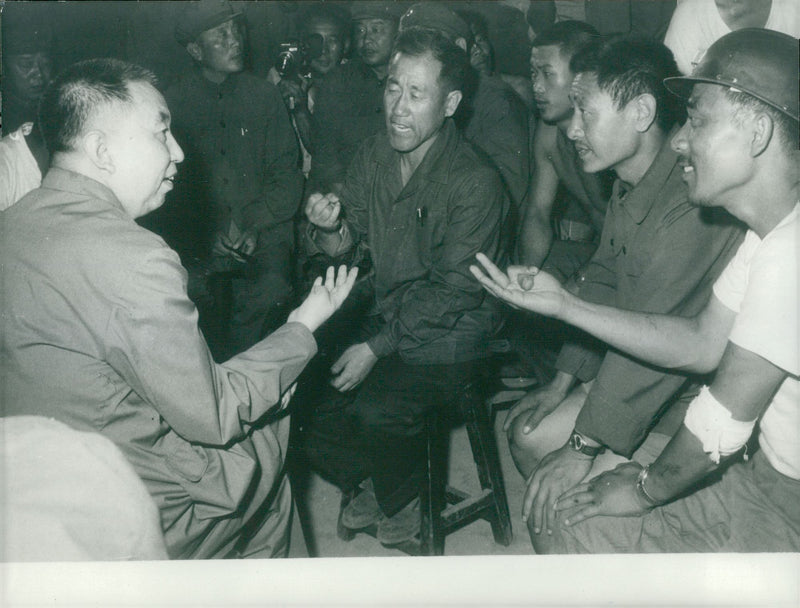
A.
x: 522, y: 286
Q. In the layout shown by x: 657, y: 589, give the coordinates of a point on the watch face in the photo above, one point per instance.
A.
x: 576, y: 441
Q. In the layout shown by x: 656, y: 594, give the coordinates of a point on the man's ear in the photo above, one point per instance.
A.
x: 194, y: 50
x: 645, y: 109
x: 94, y: 146
x: 763, y: 130
x: 462, y: 43
x: 451, y: 102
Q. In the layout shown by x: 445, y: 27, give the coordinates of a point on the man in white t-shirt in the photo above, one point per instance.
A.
x: 696, y: 24
x: 740, y: 149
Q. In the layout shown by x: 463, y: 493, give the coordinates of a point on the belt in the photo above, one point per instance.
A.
x: 569, y: 230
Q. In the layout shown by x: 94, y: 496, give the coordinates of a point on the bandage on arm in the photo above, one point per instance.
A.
x: 713, y: 424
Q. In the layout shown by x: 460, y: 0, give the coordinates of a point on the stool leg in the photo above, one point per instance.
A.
x: 431, y: 496
x: 487, y: 461
x: 343, y: 532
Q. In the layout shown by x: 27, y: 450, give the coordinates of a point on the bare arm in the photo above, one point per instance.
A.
x: 692, y: 344
x: 536, y: 233
x: 744, y: 385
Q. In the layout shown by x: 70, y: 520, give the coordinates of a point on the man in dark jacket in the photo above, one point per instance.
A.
x: 241, y: 170
x: 424, y: 202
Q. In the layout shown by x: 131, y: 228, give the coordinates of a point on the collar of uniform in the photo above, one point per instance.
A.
x: 65, y: 180
x: 435, y: 166
x: 212, y: 88
x: 639, y: 200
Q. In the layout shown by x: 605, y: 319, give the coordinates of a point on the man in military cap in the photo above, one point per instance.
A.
x: 349, y: 103
x: 739, y: 150
x: 242, y: 178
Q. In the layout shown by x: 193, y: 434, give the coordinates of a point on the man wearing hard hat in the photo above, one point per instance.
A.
x: 711, y: 489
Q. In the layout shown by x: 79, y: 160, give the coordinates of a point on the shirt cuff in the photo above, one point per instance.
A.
x: 579, y: 361
x: 312, y: 248
x: 382, y: 344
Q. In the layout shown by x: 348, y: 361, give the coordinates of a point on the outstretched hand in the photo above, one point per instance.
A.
x: 325, y: 297
x: 525, y: 287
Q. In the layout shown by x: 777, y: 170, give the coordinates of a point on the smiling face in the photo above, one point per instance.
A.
x: 220, y: 50
x: 373, y: 40
x: 416, y: 103
x: 551, y: 79
x: 140, y: 148
x: 605, y: 137
x: 714, y: 147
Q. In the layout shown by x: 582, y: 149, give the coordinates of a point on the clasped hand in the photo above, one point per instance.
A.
x: 525, y: 287
x: 323, y: 211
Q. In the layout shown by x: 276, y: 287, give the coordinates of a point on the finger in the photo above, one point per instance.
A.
x: 535, y: 417
x: 582, y: 514
x: 519, y: 408
x: 570, y: 500
x: 539, y: 509
x: 488, y: 284
x: 338, y: 366
x: 581, y: 488
x: 330, y: 278
x: 341, y: 276
x: 497, y: 275
x: 312, y: 201
x: 317, y: 282
x: 530, y: 495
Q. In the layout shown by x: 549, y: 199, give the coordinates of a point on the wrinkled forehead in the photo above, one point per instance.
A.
x: 547, y: 55
x: 584, y: 87
x: 705, y: 96
x: 423, y: 67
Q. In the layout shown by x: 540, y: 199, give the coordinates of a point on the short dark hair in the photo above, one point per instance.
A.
x: 784, y: 127
x: 417, y: 41
x: 569, y: 36
x: 629, y: 66
x: 77, y: 92
x: 316, y: 13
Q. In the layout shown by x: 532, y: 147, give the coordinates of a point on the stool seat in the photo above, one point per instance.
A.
x: 445, y: 509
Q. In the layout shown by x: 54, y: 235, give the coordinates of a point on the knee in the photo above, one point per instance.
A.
x: 526, y: 448
x: 547, y: 544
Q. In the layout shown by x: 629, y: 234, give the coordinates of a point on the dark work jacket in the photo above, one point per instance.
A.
x: 241, y: 151
x: 422, y: 238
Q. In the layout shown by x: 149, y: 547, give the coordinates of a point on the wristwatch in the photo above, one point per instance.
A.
x: 578, y: 443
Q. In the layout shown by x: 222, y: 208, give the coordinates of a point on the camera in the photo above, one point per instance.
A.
x: 295, y: 56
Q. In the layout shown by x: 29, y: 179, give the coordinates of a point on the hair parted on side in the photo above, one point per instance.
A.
x: 629, y: 66
x: 81, y: 90
x: 418, y: 41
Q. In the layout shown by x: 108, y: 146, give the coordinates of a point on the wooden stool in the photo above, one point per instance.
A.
x: 444, y: 509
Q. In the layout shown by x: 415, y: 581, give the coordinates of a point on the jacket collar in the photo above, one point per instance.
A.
x: 639, y: 200
x: 76, y: 183
x: 435, y: 166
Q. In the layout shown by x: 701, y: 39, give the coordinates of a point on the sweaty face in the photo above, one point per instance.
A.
x: 28, y: 74
x: 220, y: 50
x: 551, y: 79
x: 415, y: 102
x: 713, y: 146
x: 373, y: 40
x: 142, y: 152
x: 332, y: 46
x: 605, y: 137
